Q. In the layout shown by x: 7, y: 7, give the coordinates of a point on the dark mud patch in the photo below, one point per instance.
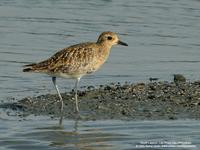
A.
x: 152, y: 101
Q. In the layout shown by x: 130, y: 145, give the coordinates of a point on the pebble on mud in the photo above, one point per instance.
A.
x: 154, y: 100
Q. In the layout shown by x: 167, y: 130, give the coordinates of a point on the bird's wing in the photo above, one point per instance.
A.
x: 69, y: 60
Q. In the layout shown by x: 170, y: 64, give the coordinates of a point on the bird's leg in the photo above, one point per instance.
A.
x: 61, y: 119
x: 61, y: 100
x: 76, y: 95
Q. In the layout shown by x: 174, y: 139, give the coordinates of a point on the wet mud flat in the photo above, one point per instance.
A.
x: 140, y: 101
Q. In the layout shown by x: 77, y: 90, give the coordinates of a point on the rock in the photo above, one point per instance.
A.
x: 179, y: 78
x: 151, y: 79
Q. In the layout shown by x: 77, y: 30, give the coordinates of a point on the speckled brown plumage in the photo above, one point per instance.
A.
x: 78, y: 59
x: 75, y: 60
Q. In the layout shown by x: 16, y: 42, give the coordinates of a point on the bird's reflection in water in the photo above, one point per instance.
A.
x: 67, y: 135
x: 61, y: 119
x: 63, y: 138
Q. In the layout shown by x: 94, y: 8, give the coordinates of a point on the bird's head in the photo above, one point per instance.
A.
x: 110, y: 38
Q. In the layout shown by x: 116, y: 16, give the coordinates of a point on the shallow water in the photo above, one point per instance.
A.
x: 98, y: 135
x: 163, y: 38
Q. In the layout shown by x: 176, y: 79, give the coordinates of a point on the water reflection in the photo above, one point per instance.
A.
x: 61, y: 136
x: 95, y: 135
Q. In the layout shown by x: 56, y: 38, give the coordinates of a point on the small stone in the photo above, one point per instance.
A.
x: 107, y: 88
x: 172, y: 117
x: 152, y: 96
x: 179, y: 78
x: 151, y: 79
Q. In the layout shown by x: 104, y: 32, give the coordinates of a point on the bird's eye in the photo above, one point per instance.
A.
x: 109, y: 37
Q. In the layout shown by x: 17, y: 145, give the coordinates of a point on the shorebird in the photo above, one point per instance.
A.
x: 76, y: 61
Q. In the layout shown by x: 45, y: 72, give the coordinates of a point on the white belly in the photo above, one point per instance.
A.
x: 67, y: 76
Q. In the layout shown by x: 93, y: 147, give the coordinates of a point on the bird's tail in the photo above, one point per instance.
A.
x: 29, y: 67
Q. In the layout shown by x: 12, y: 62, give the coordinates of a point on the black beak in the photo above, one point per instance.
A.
x: 122, y: 43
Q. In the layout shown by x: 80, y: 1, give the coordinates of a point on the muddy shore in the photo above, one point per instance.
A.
x: 141, y: 101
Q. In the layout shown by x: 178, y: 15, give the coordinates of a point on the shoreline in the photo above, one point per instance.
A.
x: 141, y: 101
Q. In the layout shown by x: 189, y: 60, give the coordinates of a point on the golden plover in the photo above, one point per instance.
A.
x: 76, y: 61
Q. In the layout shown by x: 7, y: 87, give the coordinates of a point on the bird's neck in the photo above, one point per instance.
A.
x: 104, y: 51
x: 105, y: 46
